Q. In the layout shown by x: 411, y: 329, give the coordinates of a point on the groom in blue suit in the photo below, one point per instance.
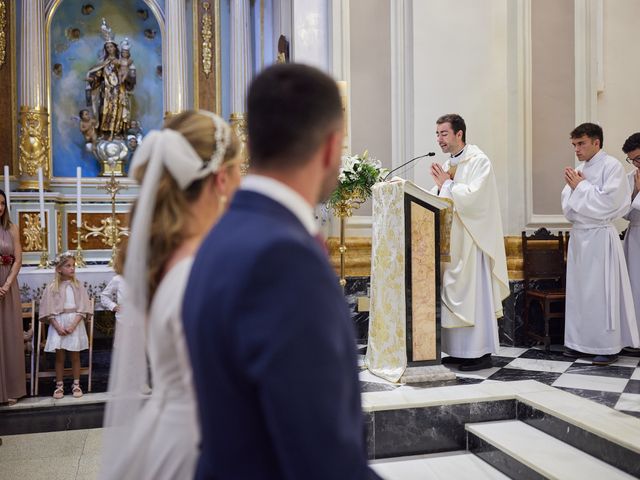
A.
x: 268, y: 330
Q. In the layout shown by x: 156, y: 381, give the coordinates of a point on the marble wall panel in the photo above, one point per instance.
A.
x: 415, y: 431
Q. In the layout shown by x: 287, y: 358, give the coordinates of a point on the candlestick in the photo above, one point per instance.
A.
x: 79, y: 197
x: 44, y: 256
x: 41, y: 194
x: 6, y: 187
x: 80, y: 263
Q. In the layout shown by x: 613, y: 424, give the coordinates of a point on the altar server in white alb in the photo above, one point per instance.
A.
x: 475, y: 282
x: 600, y: 318
x: 631, y: 148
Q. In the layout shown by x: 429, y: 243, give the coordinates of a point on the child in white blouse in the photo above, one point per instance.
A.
x: 112, y: 297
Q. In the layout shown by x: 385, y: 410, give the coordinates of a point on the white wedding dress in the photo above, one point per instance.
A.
x: 165, y: 435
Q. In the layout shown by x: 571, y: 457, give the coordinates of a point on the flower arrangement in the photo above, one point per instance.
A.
x: 358, y: 174
x: 7, y: 259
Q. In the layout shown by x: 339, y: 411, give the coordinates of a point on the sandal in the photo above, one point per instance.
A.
x: 58, y: 393
x: 76, y: 390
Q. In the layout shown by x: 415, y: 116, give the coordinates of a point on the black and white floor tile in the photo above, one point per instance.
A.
x: 616, y: 386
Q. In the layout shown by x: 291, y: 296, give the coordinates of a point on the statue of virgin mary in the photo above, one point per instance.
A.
x: 107, y: 92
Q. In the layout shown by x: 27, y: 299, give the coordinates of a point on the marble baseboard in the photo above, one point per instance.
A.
x: 370, y: 427
x: 500, y: 460
x: 441, y: 428
x: 53, y: 419
x: 358, y: 287
x: 596, y: 446
x: 511, y: 328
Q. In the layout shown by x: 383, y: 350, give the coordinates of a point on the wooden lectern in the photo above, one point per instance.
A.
x: 410, y: 236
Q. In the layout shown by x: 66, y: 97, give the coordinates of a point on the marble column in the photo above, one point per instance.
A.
x: 34, y: 151
x: 240, y: 68
x: 176, y: 85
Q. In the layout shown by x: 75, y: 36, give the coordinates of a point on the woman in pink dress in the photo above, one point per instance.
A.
x: 12, y: 372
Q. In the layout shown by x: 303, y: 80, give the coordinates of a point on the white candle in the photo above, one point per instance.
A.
x: 6, y: 186
x: 79, y: 197
x: 41, y: 192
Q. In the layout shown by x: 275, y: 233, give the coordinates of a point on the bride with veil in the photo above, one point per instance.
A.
x: 187, y: 173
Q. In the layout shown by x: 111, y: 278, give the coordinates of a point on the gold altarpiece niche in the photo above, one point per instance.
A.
x: 207, y: 68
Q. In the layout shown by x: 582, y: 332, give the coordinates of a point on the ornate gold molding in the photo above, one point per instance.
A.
x: 515, y: 264
x: 207, y: 71
x: 169, y: 115
x: 238, y: 124
x: 31, y: 234
x: 359, y: 260
x: 108, y: 232
x: 59, y: 230
x: 3, y: 33
x: 207, y: 34
x: 34, y: 141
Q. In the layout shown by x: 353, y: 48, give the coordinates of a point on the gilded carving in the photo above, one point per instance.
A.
x: 34, y: 142
x: 3, y: 33
x: 31, y: 234
x: 238, y: 124
x: 96, y: 240
x: 207, y: 35
x: 59, y: 230
x: 359, y: 261
x: 108, y: 232
x: 446, y: 216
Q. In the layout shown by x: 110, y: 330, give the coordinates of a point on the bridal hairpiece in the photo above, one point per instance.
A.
x: 222, y: 138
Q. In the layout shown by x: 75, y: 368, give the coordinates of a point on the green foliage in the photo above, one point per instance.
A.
x: 358, y: 174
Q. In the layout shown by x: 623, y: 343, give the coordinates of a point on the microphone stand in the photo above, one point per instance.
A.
x: 430, y: 154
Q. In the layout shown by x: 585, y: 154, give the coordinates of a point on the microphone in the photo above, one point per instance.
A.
x: 430, y: 154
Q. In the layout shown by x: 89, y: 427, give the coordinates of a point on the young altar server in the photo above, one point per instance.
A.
x: 599, y: 318
x: 475, y: 282
x: 112, y: 297
x: 65, y: 305
x: 631, y: 148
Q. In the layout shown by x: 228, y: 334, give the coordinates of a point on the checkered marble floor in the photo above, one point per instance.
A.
x: 616, y: 386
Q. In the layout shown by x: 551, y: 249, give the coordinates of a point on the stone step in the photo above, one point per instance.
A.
x: 441, y: 466
x: 600, y: 431
x: 524, y: 452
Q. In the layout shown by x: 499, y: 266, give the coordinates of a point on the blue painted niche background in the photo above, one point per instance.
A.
x: 75, y: 46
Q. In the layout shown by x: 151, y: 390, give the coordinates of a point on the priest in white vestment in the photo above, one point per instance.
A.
x: 631, y: 148
x: 475, y: 282
x: 600, y: 318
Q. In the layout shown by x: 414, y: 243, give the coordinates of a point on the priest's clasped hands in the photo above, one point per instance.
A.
x: 439, y: 175
x: 572, y: 177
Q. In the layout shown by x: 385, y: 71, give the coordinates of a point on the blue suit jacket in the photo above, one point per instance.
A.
x: 273, y: 352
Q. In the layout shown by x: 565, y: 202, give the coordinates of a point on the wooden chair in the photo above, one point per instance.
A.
x: 29, y: 316
x: 42, y: 340
x: 544, y: 259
